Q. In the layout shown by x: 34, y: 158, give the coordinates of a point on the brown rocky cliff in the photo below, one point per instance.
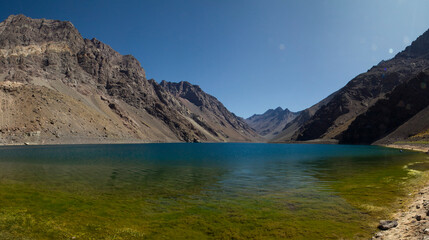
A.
x: 52, y: 54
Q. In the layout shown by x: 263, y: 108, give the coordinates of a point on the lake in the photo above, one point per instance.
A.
x: 202, y: 191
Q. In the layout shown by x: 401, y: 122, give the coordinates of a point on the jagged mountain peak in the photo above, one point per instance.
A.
x: 277, y: 110
x: 271, y: 122
x: 21, y: 19
x: 418, y: 48
x: 19, y: 30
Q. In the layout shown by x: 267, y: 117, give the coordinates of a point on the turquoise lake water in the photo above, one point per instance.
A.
x: 201, y: 191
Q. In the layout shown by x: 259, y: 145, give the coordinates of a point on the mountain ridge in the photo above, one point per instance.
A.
x: 52, y: 54
x: 333, y: 115
x: 271, y: 122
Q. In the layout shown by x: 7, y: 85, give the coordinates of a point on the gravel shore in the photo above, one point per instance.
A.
x: 414, y: 147
x: 412, y: 221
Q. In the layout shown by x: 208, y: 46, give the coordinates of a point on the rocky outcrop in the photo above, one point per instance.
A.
x: 270, y: 123
x: 51, y: 56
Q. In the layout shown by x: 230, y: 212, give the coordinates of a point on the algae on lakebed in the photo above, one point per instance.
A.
x: 200, y: 191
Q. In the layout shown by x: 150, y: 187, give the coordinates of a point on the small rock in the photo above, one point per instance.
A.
x: 418, y: 206
x: 378, y: 235
x: 418, y: 217
x: 387, y: 224
x: 426, y: 231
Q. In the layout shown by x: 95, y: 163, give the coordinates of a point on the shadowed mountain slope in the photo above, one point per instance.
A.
x: 334, y: 115
x: 385, y: 116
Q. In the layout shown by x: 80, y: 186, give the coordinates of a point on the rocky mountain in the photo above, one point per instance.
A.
x: 210, y: 114
x: 333, y: 115
x: 57, y: 87
x: 408, y: 100
x: 270, y: 123
x: 302, y: 117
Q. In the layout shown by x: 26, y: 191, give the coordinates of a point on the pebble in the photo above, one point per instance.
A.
x: 378, y: 235
x: 418, y: 206
x: 426, y: 231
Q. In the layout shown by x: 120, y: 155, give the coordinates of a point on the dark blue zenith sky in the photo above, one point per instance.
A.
x: 250, y: 54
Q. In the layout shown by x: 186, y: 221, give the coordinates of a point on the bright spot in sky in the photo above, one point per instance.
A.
x: 406, y: 40
x: 390, y: 50
x: 282, y: 46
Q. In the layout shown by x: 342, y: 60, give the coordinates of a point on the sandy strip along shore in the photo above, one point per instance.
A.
x: 414, y: 147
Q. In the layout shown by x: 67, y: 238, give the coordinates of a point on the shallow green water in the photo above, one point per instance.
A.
x: 201, y: 191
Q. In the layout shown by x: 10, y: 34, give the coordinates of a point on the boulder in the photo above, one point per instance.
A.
x: 387, y: 224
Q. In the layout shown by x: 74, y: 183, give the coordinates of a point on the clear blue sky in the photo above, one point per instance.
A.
x: 251, y: 55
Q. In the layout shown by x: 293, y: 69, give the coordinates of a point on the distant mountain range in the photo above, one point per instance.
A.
x: 57, y: 87
x: 272, y: 122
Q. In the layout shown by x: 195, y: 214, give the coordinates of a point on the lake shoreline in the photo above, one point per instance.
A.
x: 413, y: 220
x: 413, y: 147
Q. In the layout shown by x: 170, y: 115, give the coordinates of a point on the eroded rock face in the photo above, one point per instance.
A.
x: 53, y: 54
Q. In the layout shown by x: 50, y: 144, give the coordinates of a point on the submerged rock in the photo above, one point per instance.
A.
x: 387, y: 224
